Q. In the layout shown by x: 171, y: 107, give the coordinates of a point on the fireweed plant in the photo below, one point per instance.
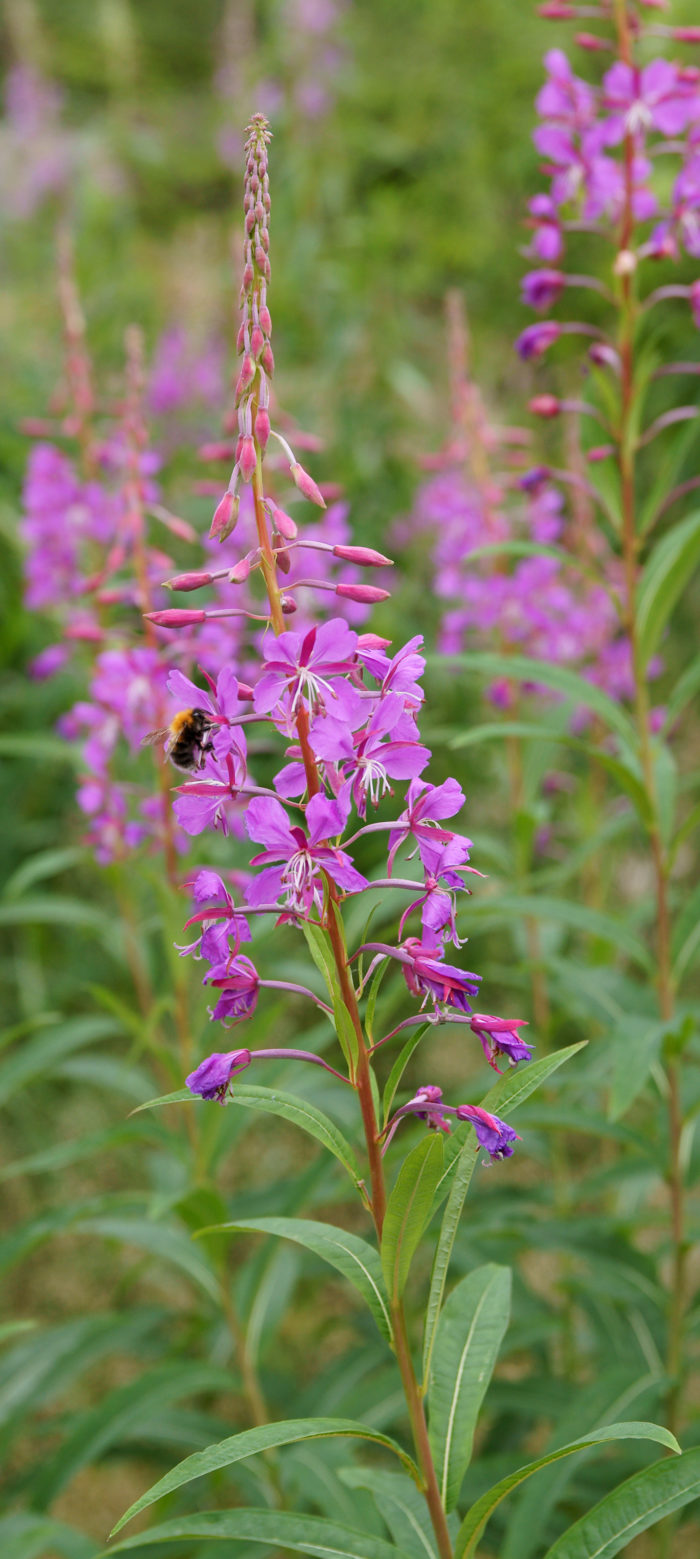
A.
x: 622, y: 158
x: 345, y: 706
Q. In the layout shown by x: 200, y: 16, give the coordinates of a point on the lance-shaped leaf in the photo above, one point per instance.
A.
x: 275, y: 1528
x: 357, y: 1260
x: 408, y: 1211
x: 481, y: 1512
x: 273, y: 1101
x: 639, y: 1503
x: 666, y: 573
x: 264, y: 1438
x: 469, y: 1335
x: 459, y: 1185
x: 516, y: 1085
x: 400, y: 1505
x: 26, y: 1535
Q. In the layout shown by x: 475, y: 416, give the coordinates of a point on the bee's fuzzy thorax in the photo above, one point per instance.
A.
x: 180, y: 721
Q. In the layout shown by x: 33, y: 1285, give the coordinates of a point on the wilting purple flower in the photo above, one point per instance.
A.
x: 535, y: 340
x: 296, y: 859
x: 211, y: 1078
x: 542, y: 289
x: 547, y: 242
x: 303, y: 664
x: 427, y: 976
x: 431, y: 1097
x: 493, y: 1134
x: 239, y: 983
x: 500, y: 1037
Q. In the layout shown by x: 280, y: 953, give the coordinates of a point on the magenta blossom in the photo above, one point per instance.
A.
x: 655, y: 98
x: 492, y: 1133
x: 210, y: 1080
x: 500, y: 1037
x: 386, y: 748
x: 427, y: 976
x: 293, y: 860
x: 444, y: 865
x: 426, y: 806
x: 303, y: 665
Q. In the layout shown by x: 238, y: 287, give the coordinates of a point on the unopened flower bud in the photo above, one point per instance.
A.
x: 262, y: 426
x: 240, y: 338
x: 556, y: 11
x: 246, y: 376
x: 591, y: 41
x: 544, y: 406
x: 176, y: 617
x: 685, y: 34
x: 188, y: 581
x: 240, y: 571
x: 306, y: 484
x: 267, y: 360
x: 283, y: 523
x: 625, y: 263
x: 265, y: 319
x: 288, y: 605
x: 248, y: 278
x: 284, y: 561
x: 600, y: 452
x: 225, y: 517
x: 367, y: 595
x: 695, y: 302
x: 248, y: 458
x: 257, y: 341
x: 604, y: 356
x: 249, y: 220
x: 365, y: 556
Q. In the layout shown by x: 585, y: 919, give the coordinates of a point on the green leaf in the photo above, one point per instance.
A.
x: 469, y: 1334
x: 320, y: 947
x: 481, y: 1512
x: 459, y: 1185
x: 400, y: 1505
x: 276, y: 1528
x: 520, y: 668
x: 517, y: 1084
x: 665, y: 575
x: 40, y: 749
x: 408, y: 1211
x: 357, y: 1260
x: 686, y: 935
x: 685, y: 690
x: 264, y: 1438
x: 165, y: 1242
x: 47, y: 863
x: 55, y: 909
x: 273, y: 1101
x: 636, y: 1505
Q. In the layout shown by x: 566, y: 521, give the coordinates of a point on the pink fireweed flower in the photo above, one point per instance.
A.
x: 426, y: 807
x: 426, y: 975
x: 219, y: 922
x: 655, y: 98
x: 386, y: 748
x: 294, y: 861
x: 303, y: 664
x: 210, y: 1080
x: 500, y: 1037
x: 428, y: 1105
x: 444, y: 865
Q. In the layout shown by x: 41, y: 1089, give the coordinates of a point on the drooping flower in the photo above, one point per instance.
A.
x: 210, y: 1080
x: 492, y: 1133
x: 239, y: 982
x: 426, y: 975
x: 500, y: 1037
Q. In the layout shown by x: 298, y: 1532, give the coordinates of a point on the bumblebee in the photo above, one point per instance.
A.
x: 187, y: 739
